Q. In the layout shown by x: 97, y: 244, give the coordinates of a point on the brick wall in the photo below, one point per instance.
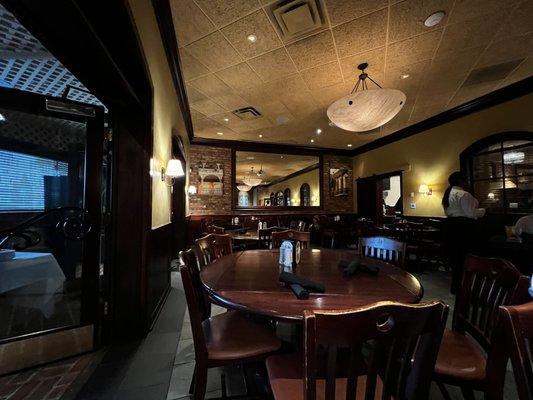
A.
x: 341, y: 204
x: 204, y: 204
x: 220, y: 205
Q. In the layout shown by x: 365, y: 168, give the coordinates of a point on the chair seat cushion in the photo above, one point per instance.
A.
x: 459, y: 358
x: 285, y: 373
x: 232, y: 336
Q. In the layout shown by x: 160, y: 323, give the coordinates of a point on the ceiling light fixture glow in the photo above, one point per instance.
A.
x: 434, y: 19
x: 318, y: 131
x: 312, y: 140
x: 404, y: 76
x: 260, y: 135
x: 220, y: 133
x: 252, y: 38
x: 244, y: 188
x: 2, y: 118
x: 366, y: 109
x: 251, y: 179
x: 349, y: 145
x: 226, y: 119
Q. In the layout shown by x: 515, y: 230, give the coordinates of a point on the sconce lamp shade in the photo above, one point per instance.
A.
x: 174, y: 169
x: 192, y: 189
x: 424, y: 189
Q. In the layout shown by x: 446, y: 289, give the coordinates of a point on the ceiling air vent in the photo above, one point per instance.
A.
x: 491, y: 73
x: 297, y: 18
x: 247, y: 113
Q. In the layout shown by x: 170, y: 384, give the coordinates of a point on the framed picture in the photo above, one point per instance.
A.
x: 210, y: 179
x: 338, y: 181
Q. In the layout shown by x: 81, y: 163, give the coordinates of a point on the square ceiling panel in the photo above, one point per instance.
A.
x: 236, y: 54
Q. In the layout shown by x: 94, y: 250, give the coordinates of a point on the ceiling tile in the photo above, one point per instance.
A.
x: 410, y: 85
x: 210, y: 85
x: 194, y: 95
x: 208, y: 127
x: 341, y: 11
x: 239, y: 76
x: 287, y: 86
x: 327, y: 95
x: 190, y: 22
x: 207, y: 107
x: 523, y: 71
x: 230, y: 101
x: 322, y: 76
x: 375, y: 59
x: 190, y: 66
x: 312, y: 51
x: 195, y: 115
x: 477, y: 32
x: 465, y: 94
x: 362, y: 34
x: 222, y: 12
x: 257, y: 24
x: 465, y: 10
x: 410, y: 51
x: 407, y: 17
x: 508, y: 49
x: 273, y: 65
x: 520, y: 21
x: 258, y: 123
x: 214, y: 51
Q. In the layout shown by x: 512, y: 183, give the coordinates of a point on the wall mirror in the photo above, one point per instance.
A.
x: 271, y: 180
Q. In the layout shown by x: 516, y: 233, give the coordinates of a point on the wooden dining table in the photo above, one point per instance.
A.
x: 248, y: 281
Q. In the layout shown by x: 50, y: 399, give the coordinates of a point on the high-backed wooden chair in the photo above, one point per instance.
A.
x: 211, y: 247
x: 224, y: 339
x: 215, y: 229
x: 189, y: 259
x: 487, y: 283
x: 517, y: 325
x: 278, y: 237
x: 265, y: 236
x: 383, y: 248
x: 383, y: 351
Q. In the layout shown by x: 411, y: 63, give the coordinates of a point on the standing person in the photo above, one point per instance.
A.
x: 462, y: 210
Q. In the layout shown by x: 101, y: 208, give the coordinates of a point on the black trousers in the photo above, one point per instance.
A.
x: 460, y: 238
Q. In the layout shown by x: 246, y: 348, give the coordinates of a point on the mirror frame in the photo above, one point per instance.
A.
x: 281, y: 150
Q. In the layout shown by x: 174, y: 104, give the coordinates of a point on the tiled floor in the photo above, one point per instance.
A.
x: 51, y: 382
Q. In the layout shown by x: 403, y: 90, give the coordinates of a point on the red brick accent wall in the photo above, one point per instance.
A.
x: 204, y: 204
x: 220, y: 205
x: 341, y: 204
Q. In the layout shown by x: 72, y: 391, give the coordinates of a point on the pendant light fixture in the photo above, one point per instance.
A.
x: 244, y: 188
x: 251, y: 179
x: 366, y: 109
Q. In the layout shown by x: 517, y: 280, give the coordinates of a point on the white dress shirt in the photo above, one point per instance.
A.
x: 524, y: 225
x: 463, y: 204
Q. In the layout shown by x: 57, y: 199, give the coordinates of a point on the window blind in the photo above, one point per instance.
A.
x: 22, y: 180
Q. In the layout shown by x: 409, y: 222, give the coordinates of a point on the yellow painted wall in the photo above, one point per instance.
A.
x: 312, y: 178
x: 432, y: 155
x: 166, y: 111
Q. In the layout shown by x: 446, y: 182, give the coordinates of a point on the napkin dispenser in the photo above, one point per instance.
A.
x: 289, y: 253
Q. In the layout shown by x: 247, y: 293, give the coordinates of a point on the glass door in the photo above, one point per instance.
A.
x: 51, y: 157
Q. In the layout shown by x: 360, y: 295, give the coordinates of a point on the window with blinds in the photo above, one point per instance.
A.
x: 25, y: 179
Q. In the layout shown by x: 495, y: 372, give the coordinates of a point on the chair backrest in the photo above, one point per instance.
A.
x: 265, y: 236
x: 303, y: 237
x: 383, y: 248
x: 215, y: 229
x: 487, y: 284
x: 211, y: 247
x: 194, y: 300
x: 400, y: 344
x: 188, y: 258
x: 517, y: 324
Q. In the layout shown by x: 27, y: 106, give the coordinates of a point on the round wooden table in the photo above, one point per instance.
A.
x: 248, y: 281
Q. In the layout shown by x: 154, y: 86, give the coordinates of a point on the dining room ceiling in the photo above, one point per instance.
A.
x: 289, y: 60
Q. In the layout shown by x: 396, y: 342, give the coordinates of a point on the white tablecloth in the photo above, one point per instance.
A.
x: 31, y: 280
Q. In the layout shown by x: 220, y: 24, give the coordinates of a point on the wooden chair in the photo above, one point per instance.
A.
x: 383, y: 248
x: 303, y: 237
x: 265, y: 236
x: 189, y: 259
x: 224, y: 339
x: 215, y: 229
x: 517, y: 325
x: 487, y: 283
x: 383, y: 351
x: 211, y: 247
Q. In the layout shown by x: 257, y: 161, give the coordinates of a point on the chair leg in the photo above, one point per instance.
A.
x: 191, y: 387
x: 444, y: 391
x: 223, y: 386
x: 468, y: 394
x: 200, y: 383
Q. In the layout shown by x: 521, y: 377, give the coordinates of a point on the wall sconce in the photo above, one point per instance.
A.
x: 192, y: 190
x: 425, y: 189
x: 174, y: 170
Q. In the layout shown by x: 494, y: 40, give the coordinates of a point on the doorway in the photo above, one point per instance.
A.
x: 51, y: 158
x: 380, y: 197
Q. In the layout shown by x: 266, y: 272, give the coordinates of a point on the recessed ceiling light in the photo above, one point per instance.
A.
x: 318, y: 131
x: 252, y: 38
x: 434, y: 19
x: 260, y: 135
x: 404, y: 76
x: 312, y: 140
x: 349, y: 145
x: 250, y: 158
x: 2, y: 118
x: 220, y: 133
x: 280, y: 156
x: 226, y: 119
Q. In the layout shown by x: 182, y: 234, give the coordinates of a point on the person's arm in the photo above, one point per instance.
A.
x: 470, y: 205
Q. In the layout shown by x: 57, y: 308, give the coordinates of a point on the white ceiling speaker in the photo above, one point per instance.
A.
x: 366, y: 109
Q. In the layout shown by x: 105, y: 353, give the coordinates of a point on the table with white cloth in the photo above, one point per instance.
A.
x: 31, y: 280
